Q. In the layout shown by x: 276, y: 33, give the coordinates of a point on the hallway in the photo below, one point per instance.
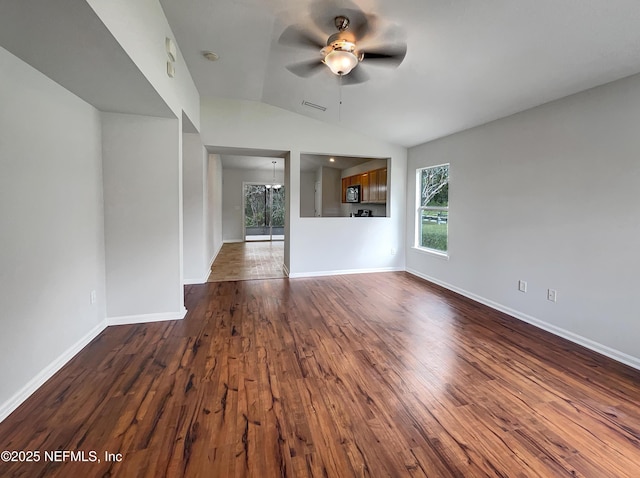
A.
x: 248, y: 260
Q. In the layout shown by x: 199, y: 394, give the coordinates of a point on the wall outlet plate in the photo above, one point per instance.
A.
x: 552, y: 295
x: 522, y: 286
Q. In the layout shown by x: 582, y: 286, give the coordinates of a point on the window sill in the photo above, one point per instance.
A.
x: 432, y: 252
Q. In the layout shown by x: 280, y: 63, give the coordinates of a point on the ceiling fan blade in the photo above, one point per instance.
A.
x: 295, y: 36
x: 305, y: 69
x: 361, y: 24
x: 392, y: 56
x: 357, y: 76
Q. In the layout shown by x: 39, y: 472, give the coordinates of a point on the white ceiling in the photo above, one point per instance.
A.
x: 467, y: 62
x: 67, y: 42
x: 311, y: 162
x: 254, y: 163
x: 308, y: 162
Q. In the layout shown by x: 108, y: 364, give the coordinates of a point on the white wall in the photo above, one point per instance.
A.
x: 141, y: 29
x: 331, y: 192
x: 315, y: 245
x: 307, y: 194
x: 194, y: 180
x: 549, y: 196
x: 213, y: 212
x: 142, y: 217
x: 318, y: 180
x: 232, y: 229
x: 51, y: 223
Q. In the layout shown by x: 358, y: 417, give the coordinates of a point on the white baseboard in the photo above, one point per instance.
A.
x: 565, y: 334
x: 295, y: 275
x: 206, y: 275
x: 195, y: 281
x: 144, y: 318
x: 45, y: 374
x: 215, y: 254
x: 231, y: 241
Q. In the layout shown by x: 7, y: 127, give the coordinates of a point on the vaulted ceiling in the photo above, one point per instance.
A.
x: 467, y: 62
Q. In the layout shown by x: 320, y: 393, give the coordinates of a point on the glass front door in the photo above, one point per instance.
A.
x: 264, y: 212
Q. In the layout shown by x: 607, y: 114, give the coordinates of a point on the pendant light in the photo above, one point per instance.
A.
x: 273, y: 181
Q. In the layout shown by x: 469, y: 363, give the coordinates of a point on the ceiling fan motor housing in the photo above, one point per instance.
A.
x: 340, y: 53
x: 344, y: 36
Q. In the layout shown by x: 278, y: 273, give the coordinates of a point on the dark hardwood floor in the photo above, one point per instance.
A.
x: 360, y: 375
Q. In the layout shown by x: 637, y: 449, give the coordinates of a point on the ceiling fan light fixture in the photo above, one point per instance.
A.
x: 340, y: 61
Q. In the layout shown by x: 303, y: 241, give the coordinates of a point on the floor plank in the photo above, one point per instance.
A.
x: 248, y: 260
x: 361, y: 375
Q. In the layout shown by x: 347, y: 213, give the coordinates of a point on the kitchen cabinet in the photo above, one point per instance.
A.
x: 365, y: 189
x: 376, y: 190
x: 373, y: 186
x: 382, y: 185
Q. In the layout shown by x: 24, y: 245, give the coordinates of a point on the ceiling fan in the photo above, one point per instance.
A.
x: 341, y: 52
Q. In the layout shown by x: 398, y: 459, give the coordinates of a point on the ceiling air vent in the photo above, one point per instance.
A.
x: 313, y: 105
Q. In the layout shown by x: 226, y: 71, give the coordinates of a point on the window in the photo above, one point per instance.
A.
x: 432, y: 197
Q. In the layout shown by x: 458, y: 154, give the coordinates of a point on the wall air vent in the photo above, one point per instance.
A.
x: 313, y: 105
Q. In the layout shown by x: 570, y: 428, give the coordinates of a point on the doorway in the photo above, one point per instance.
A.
x: 264, y: 211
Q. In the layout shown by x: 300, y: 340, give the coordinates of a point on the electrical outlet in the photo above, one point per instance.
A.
x: 393, y: 251
x: 552, y: 295
x: 93, y: 297
x: 522, y: 286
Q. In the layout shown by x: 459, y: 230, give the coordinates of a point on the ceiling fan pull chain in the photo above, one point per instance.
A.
x: 340, y: 100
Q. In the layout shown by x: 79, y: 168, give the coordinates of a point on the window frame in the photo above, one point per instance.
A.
x: 420, y: 209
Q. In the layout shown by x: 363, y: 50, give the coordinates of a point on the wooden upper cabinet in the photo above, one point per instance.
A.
x: 376, y: 187
x: 364, y: 188
x: 382, y: 185
x: 373, y: 186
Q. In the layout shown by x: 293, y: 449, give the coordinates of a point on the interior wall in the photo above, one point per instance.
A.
x: 142, y: 176
x: 213, y: 214
x: 194, y: 180
x: 51, y: 218
x: 232, y: 199
x: 317, y: 245
x: 307, y: 194
x: 141, y: 29
x: 318, y: 182
x: 549, y: 196
x: 331, y: 192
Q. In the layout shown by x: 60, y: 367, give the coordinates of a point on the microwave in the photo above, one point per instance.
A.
x: 353, y: 194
